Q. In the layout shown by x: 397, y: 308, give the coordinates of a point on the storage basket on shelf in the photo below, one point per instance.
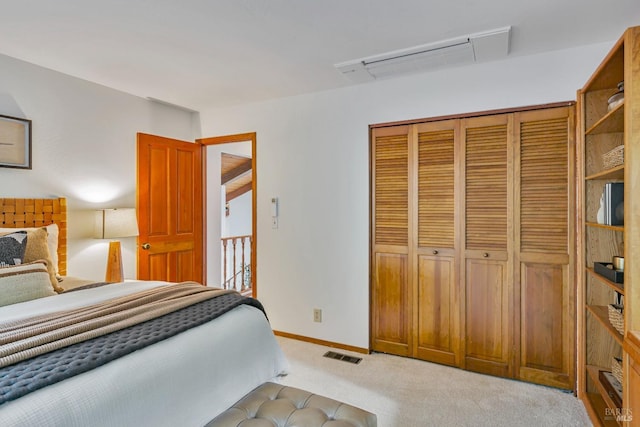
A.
x: 616, y: 368
x: 616, y: 317
x: 613, y: 158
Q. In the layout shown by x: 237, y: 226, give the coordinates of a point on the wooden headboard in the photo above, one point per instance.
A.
x: 19, y: 213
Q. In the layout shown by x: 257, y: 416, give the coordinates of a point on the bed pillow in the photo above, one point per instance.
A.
x: 52, y: 240
x: 37, y: 249
x: 24, y: 282
x: 12, y: 248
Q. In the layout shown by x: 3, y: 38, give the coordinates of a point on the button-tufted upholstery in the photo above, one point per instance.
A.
x: 275, y: 405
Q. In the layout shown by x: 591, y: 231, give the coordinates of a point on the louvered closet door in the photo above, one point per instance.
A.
x: 391, y: 293
x: 487, y: 240
x: 544, y: 254
x: 437, y: 302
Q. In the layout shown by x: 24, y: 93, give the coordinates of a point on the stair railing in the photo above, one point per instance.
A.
x: 236, y: 270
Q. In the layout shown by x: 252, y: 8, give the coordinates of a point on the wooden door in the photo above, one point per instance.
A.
x: 170, y: 209
x: 437, y: 308
x: 487, y: 234
x: 391, y: 293
x: 544, y: 248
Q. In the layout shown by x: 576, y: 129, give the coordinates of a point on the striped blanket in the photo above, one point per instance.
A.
x: 38, y: 335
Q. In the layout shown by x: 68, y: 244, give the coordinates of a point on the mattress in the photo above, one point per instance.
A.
x: 185, y: 380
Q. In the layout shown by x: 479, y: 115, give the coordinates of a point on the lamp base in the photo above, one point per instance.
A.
x: 115, y: 272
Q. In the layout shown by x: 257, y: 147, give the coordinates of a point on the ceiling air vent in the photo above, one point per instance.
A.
x: 478, y: 47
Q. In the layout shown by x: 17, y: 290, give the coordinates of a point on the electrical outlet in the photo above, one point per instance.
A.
x: 317, y: 315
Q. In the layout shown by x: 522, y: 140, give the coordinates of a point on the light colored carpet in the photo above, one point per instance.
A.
x: 405, y: 392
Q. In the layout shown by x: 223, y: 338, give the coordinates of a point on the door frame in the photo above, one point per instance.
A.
x: 227, y: 139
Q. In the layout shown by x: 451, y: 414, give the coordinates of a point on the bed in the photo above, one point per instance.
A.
x: 186, y: 379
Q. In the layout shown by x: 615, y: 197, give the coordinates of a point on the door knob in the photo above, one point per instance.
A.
x: 486, y: 255
x: 435, y: 252
x: 146, y: 246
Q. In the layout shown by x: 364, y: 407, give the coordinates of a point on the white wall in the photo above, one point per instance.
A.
x: 84, y: 148
x: 313, y: 153
x: 238, y: 223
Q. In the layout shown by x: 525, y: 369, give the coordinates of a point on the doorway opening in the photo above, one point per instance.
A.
x: 230, y: 201
x: 236, y: 178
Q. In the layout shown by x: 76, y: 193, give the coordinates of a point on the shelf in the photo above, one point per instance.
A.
x: 594, y: 372
x: 595, y: 406
x: 601, y: 313
x: 606, y: 227
x: 613, y: 173
x: 613, y: 285
x: 612, y: 122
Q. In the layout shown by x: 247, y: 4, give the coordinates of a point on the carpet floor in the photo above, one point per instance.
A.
x: 405, y: 392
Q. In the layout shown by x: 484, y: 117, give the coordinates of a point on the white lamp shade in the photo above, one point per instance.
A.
x: 113, y: 223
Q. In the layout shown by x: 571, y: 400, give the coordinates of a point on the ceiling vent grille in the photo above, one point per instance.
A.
x: 478, y: 47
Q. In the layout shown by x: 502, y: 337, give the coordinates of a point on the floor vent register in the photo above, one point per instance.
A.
x: 343, y: 357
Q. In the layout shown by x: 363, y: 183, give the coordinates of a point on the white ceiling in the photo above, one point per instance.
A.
x: 215, y: 53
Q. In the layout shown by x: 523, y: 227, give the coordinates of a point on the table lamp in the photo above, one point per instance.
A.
x: 112, y: 224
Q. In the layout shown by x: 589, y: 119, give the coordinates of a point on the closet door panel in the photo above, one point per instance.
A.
x: 487, y: 317
x: 543, y: 320
x: 390, y: 299
x: 486, y: 169
x: 391, y: 281
x: 545, y: 313
x: 437, y: 328
x: 437, y: 308
x: 436, y: 202
x: 487, y: 234
x: 391, y: 187
x: 544, y: 181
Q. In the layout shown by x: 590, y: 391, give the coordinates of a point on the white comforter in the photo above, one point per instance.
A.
x: 183, y: 381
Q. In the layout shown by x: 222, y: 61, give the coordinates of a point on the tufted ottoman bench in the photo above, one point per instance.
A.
x: 275, y: 405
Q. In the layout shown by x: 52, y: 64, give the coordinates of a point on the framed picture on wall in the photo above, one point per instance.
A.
x: 15, y: 142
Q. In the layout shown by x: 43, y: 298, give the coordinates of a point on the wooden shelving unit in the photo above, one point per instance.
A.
x: 599, y: 131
